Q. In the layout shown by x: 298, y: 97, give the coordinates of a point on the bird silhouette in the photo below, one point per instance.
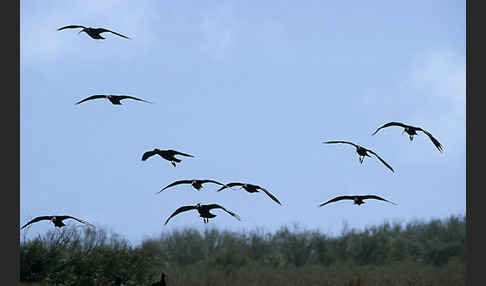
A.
x: 115, y: 99
x: 166, y: 154
x: 358, y: 200
x: 251, y: 189
x: 362, y: 152
x: 57, y: 220
x: 92, y: 32
x: 203, y: 211
x: 411, y: 131
x: 197, y: 184
x: 161, y: 282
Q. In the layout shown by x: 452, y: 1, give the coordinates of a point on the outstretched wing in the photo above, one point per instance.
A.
x: 176, y: 183
x: 435, y: 141
x: 391, y: 124
x: 92, y: 97
x: 216, y: 206
x: 376, y: 197
x: 337, y: 199
x: 179, y: 210
x: 345, y: 142
x: 131, y: 97
x: 80, y: 220
x: 39, y: 218
x: 229, y: 186
x: 211, y: 181
x: 270, y: 195
x: 148, y: 154
x: 174, y: 152
x: 379, y: 158
x: 71, y: 27
x: 102, y: 30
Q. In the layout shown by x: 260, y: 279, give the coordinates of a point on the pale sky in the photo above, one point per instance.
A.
x: 251, y: 89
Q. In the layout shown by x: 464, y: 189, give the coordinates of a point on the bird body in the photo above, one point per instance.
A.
x: 358, y: 200
x: 412, y: 131
x: 56, y: 220
x: 251, y: 189
x: 362, y: 152
x: 196, y: 184
x: 168, y: 155
x: 203, y: 210
x: 114, y: 99
x: 94, y: 33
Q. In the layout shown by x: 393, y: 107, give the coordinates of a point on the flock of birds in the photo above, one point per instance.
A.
x: 169, y: 155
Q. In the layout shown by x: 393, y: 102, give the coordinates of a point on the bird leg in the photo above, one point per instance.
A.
x: 361, y: 158
x: 173, y: 163
x: 411, y: 137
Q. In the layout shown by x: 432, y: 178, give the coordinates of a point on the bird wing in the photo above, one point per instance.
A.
x: 80, y: 220
x: 212, y: 181
x: 174, y: 152
x: 216, y: 206
x: 132, y: 97
x: 435, y: 141
x: 92, y: 97
x: 148, y: 154
x: 270, y: 195
x: 345, y: 142
x: 176, y: 183
x: 229, y: 186
x: 337, y: 199
x: 391, y: 124
x: 179, y: 210
x: 379, y: 158
x: 102, y: 30
x: 71, y: 27
x: 39, y: 218
x: 375, y: 197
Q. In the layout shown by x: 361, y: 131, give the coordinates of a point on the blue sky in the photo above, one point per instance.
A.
x: 251, y: 89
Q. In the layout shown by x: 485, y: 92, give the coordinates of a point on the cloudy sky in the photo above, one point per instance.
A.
x: 251, y: 89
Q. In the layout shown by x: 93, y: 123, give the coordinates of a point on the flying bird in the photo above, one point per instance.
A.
x: 57, y: 220
x: 92, y: 32
x: 251, y: 189
x: 197, y: 184
x: 115, y: 99
x: 362, y: 152
x: 358, y: 200
x: 166, y: 154
x: 203, y: 211
x: 412, y: 130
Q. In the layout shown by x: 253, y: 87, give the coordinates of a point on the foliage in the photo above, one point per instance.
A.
x: 418, y: 253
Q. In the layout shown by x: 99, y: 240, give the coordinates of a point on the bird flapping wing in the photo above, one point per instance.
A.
x: 92, y: 97
x: 376, y: 197
x: 229, y: 186
x: 36, y: 219
x: 176, y: 183
x: 71, y: 27
x: 216, y: 206
x: 80, y: 220
x: 337, y: 199
x: 391, y: 124
x: 345, y: 142
x: 379, y: 158
x: 102, y: 30
x: 435, y: 141
x: 131, y: 97
x: 179, y: 210
x: 270, y: 195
